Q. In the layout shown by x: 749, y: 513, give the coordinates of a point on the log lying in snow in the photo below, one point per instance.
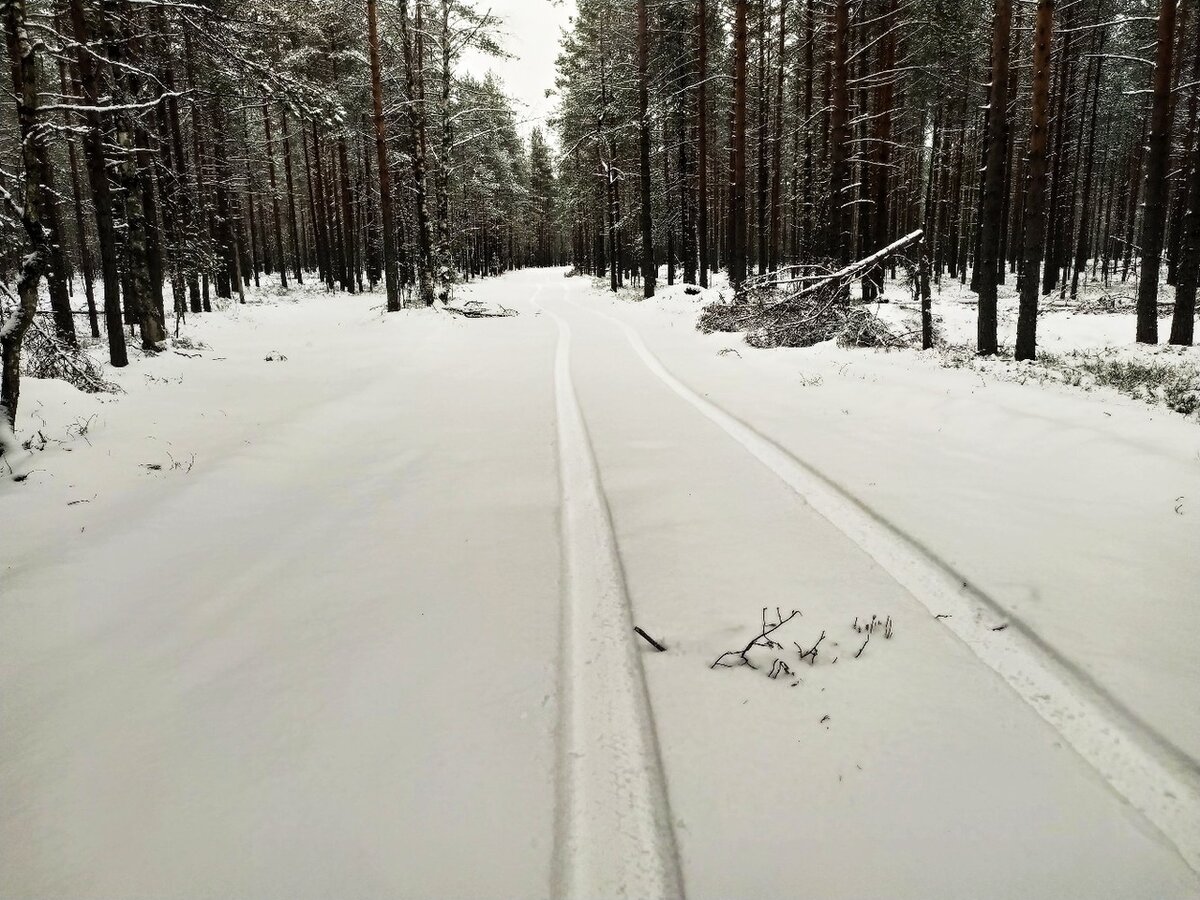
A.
x: 854, y: 270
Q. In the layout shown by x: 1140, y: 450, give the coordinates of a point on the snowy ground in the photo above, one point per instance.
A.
x: 378, y: 593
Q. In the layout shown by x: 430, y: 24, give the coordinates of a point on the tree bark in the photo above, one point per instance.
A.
x: 777, y: 144
x: 1158, y: 157
x: 1035, y: 190
x: 702, y: 137
x: 102, y: 200
x: 391, y: 276
x: 277, y: 219
x: 643, y: 59
x: 29, y: 210
x: 839, y: 173
x: 991, y: 223
x: 737, y: 205
x: 414, y: 72
x: 1183, y: 320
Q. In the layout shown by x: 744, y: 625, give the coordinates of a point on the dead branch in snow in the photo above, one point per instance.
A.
x: 811, y: 653
x: 855, y: 269
x: 762, y: 639
x: 651, y: 641
x: 774, y: 312
x: 474, y: 309
x: 46, y: 355
x: 864, y: 646
x: 779, y: 667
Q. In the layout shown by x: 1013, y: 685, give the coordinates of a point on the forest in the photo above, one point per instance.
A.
x: 163, y: 156
x: 1053, y: 145
x: 599, y: 448
x: 159, y: 155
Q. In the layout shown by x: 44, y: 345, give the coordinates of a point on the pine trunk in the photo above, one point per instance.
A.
x: 991, y: 214
x: 1157, y: 159
x: 1035, y: 188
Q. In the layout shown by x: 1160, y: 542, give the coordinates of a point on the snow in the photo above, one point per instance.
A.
x: 321, y: 650
x: 615, y: 836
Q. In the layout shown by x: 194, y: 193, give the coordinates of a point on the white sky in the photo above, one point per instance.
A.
x: 530, y: 34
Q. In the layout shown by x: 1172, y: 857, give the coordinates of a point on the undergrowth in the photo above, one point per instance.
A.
x: 1169, y: 379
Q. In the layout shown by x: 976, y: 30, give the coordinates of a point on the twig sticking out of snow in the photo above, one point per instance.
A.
x: 811, y: 652
x: 779, y: 667
x: 649, y: 640
x: 864, y: 646
x: 762, y: 639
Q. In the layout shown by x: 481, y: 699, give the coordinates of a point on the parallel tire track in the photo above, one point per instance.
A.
x: 613, y: 831
x: 1154, y: 776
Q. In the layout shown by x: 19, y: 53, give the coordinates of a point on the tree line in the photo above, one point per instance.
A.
x: 1054, y: 144
x: 166, y: 155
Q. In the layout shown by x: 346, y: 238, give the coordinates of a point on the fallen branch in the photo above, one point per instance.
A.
x: 811, y: 653
x: 852, y: 271
x: 762, y: 639
x: 474, y: 309
x: 818, y: 312
x: 46, y: 355
x: 651, y: 641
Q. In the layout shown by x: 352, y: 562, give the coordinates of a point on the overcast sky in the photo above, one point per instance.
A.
x: 530, y: 34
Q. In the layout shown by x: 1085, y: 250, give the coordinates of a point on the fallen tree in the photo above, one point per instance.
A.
x: 776, y: 311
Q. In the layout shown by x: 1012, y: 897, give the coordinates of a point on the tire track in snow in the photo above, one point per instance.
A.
x: 1154, y: 776
x: 613, y: 834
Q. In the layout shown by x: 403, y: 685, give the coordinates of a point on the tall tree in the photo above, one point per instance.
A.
x: 1157, y: 161
x: 737, y: 205
x: 1035, y: 186
x: 649, y: 270
x: 991, y: 222
x: 28, y: 209
x: 89, y: 62
x: 702, y: 136
x: 391, y: 274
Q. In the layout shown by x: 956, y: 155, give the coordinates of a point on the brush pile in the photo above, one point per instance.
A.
x: 46, y: 355
x: 799, y: 312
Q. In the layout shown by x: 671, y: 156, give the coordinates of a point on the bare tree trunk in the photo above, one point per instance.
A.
x: 391, y: 276
x: 777, y: 144
x: 1063, y: 108
x: 882, y: 140
x: 839, y: 173
x: 1158, y: 157
x: 445, y: 145
x: 414, y: 72
x: 320, y: 210
x: 275, y: 216
x: 1035, y: 191
x: 1183, y: 321
x: 298, y: 252
x: 991, y: 223
x: 127, y: 90
x: 737, y: 205
x: 702, y: 135
x: 85, y: 251
x: 1081, y: 246
x: 807, y: 222
x: 203, y: 217
x: 643, y: 58
x: 29, y: 210
x: 102, y: 200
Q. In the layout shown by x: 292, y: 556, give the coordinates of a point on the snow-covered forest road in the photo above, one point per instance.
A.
x: 366, y: 631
